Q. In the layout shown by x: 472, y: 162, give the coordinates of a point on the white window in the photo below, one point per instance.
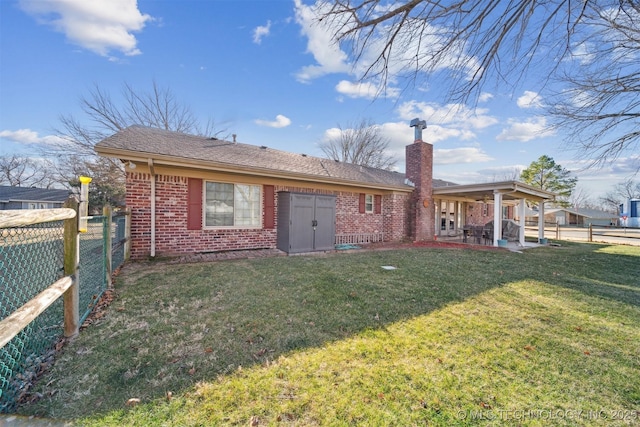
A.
x: 368, y: 203
x: 232, y: 205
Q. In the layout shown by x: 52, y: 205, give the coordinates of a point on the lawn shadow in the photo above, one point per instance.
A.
x: 173, y: 326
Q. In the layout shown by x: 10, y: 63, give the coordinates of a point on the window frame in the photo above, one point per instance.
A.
x: 258, y: 202
x: 369, y: 200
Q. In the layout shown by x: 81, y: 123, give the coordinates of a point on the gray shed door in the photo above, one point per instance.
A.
x: 302, y: 215
x: 325, y: 217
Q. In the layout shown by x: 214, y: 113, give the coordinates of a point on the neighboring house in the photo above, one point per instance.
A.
x: 579, y: 216
x: 191, y: 194
x: 31, y: 198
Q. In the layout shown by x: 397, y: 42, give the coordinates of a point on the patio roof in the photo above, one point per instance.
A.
x: 511, y: 191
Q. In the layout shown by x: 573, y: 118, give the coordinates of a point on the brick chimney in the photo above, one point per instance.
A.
x: 419, y: 170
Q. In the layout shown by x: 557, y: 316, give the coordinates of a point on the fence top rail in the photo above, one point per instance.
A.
x: 20, y: 217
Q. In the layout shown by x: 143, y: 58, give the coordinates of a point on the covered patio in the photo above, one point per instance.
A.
x: 452, y: 203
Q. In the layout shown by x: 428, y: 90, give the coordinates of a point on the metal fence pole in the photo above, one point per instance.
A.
x: 127, y: 234
x: 108, y: 254
x: 71, y: 297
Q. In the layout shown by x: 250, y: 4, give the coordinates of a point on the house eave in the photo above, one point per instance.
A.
x: 510, y: 190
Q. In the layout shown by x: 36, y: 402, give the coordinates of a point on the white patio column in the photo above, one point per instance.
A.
x: 523, y: 211
x: 497, y: 217
x: 437, y: 204
x: 541, y: 220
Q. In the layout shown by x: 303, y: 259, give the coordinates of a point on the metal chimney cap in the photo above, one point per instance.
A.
x: 419, y: 123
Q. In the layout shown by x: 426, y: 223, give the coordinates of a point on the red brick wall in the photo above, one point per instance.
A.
x: 173, y: 237
x: 474, y: 213
x: 395, y: 212
x: 138, y: 199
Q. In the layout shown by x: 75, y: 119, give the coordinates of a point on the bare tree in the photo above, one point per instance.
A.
x: 621, y: 192
x: 104, y: 116
x: 157, y: 108
x: 509, y: 174
x: 18, y: 171
x: 473, y: 42
x: 107, y: 185
x: 599, y: 103
x: 360, y: 144
x: 580, y: 199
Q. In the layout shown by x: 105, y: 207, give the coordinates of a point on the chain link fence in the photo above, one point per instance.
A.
x: 118, y: 240
x: 92, y: 271
x: 31, y: 259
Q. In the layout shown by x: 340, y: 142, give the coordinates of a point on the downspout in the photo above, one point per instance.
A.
x: 153, y: 207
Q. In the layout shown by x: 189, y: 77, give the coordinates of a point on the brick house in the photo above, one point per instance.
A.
x: 31, y: 198
x: 191, y: 194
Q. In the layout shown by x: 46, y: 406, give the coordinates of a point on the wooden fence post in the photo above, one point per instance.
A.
x: 106, y: 232
x: 71, y: 297
x: 590, y: 239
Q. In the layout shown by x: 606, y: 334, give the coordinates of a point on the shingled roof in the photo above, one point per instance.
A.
x: 139, y: 142
x: 30, y: 194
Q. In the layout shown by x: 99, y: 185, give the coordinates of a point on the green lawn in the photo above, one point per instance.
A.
x: 451, y: 337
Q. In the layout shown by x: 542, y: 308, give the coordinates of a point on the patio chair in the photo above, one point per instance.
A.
x: 487, y: 235
x: 477, y: 233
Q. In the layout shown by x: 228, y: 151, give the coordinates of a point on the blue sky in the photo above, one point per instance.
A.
x: 261, y: 70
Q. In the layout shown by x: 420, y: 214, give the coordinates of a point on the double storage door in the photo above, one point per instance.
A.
x: 306, y: 222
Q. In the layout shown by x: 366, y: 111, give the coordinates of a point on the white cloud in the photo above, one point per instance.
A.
x: 459, y: 155
x: 328, y: 56
x: 366, y: 90
x: 457, y: 119
x: 28, y: 137
x: 581, y: 52
x: 261, y: 31
x: 485, y: 96
x: 97, y: 25
x: 530, y: 100
x: 526, y: 131
x: 280, y: 122
x: 408, y: 54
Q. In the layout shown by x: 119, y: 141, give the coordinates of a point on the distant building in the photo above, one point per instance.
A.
x: 579, y: 216
x: 31, y: 198
x: 630, y: 209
